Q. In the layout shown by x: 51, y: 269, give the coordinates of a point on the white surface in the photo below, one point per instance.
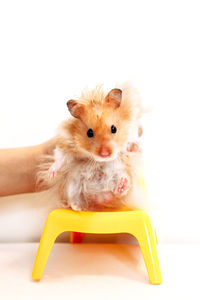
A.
x: 50, y: 50
x: 98, y: 272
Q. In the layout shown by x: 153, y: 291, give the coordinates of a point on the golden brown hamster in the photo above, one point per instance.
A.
x: 94, y: 165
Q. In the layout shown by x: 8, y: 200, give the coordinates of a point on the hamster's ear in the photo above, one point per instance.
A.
x: 76, y: 109
x: 114, y: 98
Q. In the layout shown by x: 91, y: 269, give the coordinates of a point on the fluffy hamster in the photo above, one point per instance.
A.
x: 95, y: 162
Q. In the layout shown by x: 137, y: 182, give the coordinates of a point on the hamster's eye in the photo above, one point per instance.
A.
x: 90, y: 133
x: 113, y: 129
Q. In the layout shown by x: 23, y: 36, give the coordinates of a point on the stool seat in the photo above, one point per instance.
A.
x: 135, y: 222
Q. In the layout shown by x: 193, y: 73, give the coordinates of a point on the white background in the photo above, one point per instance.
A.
x: 50, y: 50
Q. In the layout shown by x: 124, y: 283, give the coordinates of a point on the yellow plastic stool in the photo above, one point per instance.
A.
x: 135, y: 222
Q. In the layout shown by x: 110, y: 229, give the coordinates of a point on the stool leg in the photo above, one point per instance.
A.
x: 49, y: 235
x: 147, y: 241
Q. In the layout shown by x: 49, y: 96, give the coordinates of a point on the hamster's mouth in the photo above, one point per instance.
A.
x: 105, y: 159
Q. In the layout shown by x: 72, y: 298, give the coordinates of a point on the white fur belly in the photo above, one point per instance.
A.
x: 88, y: 181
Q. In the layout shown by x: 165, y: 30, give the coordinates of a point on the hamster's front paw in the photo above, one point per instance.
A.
x: 123, y: 186
x: 53, y: 171
x: 52, y: 174
x: 133, y: 147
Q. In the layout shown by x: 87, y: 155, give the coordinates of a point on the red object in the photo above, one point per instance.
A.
x: 77, y: 237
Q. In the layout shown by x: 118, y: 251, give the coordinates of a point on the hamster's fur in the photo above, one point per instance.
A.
x: 97, y: 155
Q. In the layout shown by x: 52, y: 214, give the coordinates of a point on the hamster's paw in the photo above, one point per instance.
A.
x: 132, y: 147
x: 123, y: 186
x: 52, y: 174
x: 76, y: 206
x: 53, y: 171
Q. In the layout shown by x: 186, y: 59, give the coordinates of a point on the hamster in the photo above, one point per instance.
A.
x: 95, y: 161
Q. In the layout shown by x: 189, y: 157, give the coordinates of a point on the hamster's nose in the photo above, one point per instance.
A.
x: 105, y: 152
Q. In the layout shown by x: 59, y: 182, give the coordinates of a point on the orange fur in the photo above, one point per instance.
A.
x: 97, y: 114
